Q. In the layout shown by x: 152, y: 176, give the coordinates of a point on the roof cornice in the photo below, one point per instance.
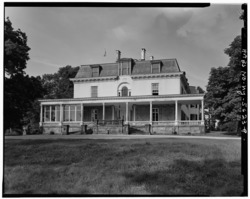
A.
x: 149, y: 97
x: 91, y: 79
x: 156, y: 75
x: 141, y: 76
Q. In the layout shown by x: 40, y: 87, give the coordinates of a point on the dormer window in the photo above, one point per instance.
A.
x: 124, y: 69
x: 155, y: 66
x: 95, y: 70
x: 124, y: 66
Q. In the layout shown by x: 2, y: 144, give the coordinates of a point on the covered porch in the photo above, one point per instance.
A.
x: 159, y: 114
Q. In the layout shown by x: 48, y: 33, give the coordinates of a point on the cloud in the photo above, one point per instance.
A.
x: 45, y: 63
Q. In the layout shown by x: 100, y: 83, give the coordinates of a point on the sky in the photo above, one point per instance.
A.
x: 60, y: 36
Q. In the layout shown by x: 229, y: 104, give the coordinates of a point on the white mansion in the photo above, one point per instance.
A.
x: 129, y: 95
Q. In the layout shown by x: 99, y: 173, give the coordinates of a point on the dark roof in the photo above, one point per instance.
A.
x: 193, y: 90
x: 138, y: 67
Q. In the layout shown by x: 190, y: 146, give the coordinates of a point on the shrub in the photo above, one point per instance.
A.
x: 13, y: 131
x: 89, y: 131
x: 230, y: 127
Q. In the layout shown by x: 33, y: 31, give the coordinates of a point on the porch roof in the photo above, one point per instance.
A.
x: 116, y: 99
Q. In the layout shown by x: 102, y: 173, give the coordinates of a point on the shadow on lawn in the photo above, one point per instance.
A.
x: 213, y: 177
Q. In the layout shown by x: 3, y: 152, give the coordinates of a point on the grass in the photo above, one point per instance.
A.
x: 155, y: 166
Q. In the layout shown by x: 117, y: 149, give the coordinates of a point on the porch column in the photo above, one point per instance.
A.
x: 202, y: 111
x: 150, y: 112
x: 189, y: 112
x: 113, y: 112
x: 198, y: 112
x: 61, y: 113
x: 103, y: 111
x: 41, y: 115
x: 126, y: 117
x: 50, y: 108
x: 82, y: 113
x: 134, y: 112
x: 176, y: 112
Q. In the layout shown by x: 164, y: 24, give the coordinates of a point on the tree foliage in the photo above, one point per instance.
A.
x: 20, y: 90
x: 15, y: 49
x: 58, y: 85
x: 224, y: 82
x: 19, y: 94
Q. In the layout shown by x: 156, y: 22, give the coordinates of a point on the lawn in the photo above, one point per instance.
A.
x: 147, y: 166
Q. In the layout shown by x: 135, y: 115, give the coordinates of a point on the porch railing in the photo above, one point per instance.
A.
x: 138, y: 123
x: 109, y: 122
x: 141, y: 123
x: 167, y: 123
x: 190, y: 123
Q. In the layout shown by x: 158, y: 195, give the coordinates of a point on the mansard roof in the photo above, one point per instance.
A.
x: 193, y: 89
x: 138, y: 67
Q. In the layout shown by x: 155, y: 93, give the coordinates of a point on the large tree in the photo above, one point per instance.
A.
x: 19, y: 94
x: 20, y: 90
x: 224, y: 82
x: 58, y: 85
x: 15, y: 50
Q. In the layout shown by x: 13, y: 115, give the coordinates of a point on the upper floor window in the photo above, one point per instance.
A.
x: 94, y: 91
x: 155, y: 68
x: 155, y: 88
x: 125, y: 66
x: 124, y: 69
x: 124, y: 91
x: 95, y: 70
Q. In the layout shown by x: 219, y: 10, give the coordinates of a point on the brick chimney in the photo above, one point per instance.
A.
x: 118, y: 56
x: 143, y: 53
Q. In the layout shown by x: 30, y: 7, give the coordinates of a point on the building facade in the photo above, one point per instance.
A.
x: 127, y: 96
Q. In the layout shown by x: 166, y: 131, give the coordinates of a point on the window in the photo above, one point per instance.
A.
x: 52, y: 113
x: 78, y: 113
x: 94, y: 114
x: 94, y: 91
x: 47, y: 114
x: 95, y: 72
x: 124, y: 91
x: 66, y: 113
x: 72, y: 113
x: 124, y: 68
x: 155, y: 68
x: 155, y: 88
x: 155, y: 113
x: 193, y: 117
x: 57, y: 113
